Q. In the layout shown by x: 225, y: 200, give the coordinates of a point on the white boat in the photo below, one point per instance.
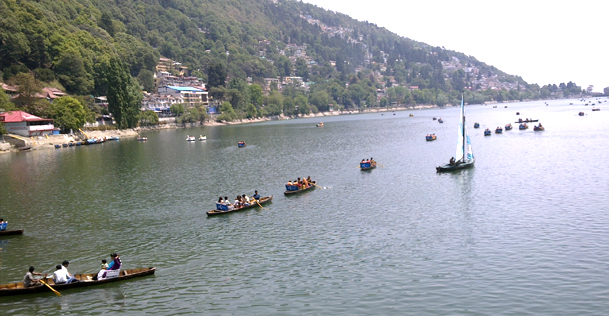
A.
x: 464, y: 157
x: 190, y: 138
x: 202, y: 137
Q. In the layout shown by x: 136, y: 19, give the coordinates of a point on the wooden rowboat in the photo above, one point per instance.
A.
x: 84, y: 280
x: 311, y: 187
x: 11, y: 232
x: 264, y: 200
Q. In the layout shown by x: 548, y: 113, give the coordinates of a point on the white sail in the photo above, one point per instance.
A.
x: 464, y: 151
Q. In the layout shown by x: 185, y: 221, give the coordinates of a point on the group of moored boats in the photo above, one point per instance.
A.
x: 192, y: 138
x: 89, y: 141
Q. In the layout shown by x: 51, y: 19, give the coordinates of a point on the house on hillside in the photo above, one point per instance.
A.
x: 191, y: 96
x: 25, y: 124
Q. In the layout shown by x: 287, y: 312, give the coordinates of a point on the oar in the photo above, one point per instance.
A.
x: 313, y: 183
x: 380, y: 165
x: 258, y: 203
x: 52, y: 289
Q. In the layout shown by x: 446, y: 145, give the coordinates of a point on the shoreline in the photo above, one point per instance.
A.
x: 49, y: 142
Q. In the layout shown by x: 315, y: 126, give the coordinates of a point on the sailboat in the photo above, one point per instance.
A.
x: 464, y: 157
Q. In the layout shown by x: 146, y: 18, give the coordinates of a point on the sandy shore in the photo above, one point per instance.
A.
x: 44, y: 142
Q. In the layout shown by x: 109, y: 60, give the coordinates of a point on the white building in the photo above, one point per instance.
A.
x: 25, y: 124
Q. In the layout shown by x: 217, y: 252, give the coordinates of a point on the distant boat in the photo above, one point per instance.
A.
x: 526, y: 121
x: 508, y: 127
x: 367, y: 165
x: 202, y: 137
x: 440, y: 121
x: 476, y: 125
x: 430, y: 137
x: 517, y: 113
x: 498, y: 130
x: 411, y: 115
x: 464, y: 157
x: 523, y: 126
x: 241, y: 144
x: 190, y: 138
x: 487, y: 132
x: 321, y: 124
x: 140, y: 138
x: 113, y: 138
x: 434, y: 118
x: 580, y: 114
x: 538, y: 128
x: 596, y: 109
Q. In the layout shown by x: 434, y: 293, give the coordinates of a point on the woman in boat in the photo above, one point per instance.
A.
x: 305, y: 182
x: 246, y: 199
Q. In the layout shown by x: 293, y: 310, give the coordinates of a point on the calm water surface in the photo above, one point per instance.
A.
x: 525, y: 232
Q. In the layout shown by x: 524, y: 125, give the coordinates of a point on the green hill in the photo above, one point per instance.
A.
x: 69, y: 43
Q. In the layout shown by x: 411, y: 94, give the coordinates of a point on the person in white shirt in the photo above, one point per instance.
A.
x: 60, y: 276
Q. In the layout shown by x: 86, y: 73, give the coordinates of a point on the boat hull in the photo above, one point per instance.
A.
x: 311, y: 187
x: 11, y: 232
x: 85, y: 280
x: 264, y: 200
x: 449, y: 167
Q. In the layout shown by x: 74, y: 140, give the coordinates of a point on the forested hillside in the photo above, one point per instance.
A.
x: 76, y: 45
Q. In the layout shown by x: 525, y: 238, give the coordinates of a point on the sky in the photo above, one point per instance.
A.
x: 544, y: 42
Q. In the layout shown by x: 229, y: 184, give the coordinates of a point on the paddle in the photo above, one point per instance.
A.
x: 52, y: 289
x: 315, y: 185
x: 258, y: 203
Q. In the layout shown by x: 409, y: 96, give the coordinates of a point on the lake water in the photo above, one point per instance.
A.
x: 525, y: 232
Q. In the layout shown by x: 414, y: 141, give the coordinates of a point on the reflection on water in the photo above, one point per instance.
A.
x: 523, y: 232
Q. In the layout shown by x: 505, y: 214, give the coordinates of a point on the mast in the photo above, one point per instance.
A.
x: 463, y: 130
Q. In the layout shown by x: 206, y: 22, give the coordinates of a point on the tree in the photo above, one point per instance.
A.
x: 177, y: 109
x: 256, y: 95
x: 124, y: 95
x: 68, y: 113
x: 146, y: 79
x: 106, y: 23
x: 320, y: 99
x: 5, y: 102
x: 301, y: 69
x: 148, y: 118
x: 70, y: 69
x: 216, y: 75
x: 228, y: 114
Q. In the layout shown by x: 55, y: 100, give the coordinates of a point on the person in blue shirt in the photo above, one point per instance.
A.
x: 256, y: 195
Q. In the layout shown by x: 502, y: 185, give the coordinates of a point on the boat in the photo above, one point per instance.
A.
x: 367, y: 165
x: 321, y: 124
x: 498, y: 130
x: 241, y: 144
x: 487, y: 132
x: 494, y: 106
x: 202, y: 137
x: 59, y: 146
x: 508, y: 127
x: 517, y: 113
x: 140, y: 138
x: 11, y: 232
x: 434, y: 118
x: 223, y: 209
x: 430, y: 137
x: 523, y: 126
x: 84, y: 280
x: 596, y: 109
x: 580, y: 114
x: 293, y: 189
x: 538, y: 128
x: 476, y: 125
x: 526, y: 121
x: 190, y: 138
x: 440, y: 121
x: 113, y: 138
x: 464, y: 157
x: 411, y: 115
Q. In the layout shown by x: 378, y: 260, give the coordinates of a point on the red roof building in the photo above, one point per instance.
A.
x: 25, y: 124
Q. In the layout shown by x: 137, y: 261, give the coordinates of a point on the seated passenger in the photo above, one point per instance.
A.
x: 116, y: 262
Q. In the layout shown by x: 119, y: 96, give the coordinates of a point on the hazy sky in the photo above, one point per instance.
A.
x: 542, y: 41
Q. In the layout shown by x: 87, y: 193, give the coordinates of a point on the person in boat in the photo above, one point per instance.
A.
x: 228, y: 204
x: 372, y: 161
x: 305, y: 182
x: 452, y: 161
x: 3, y: 224
x: 246, y: 199
x: 116, y: 262
x: 29, y: 280
x: 101, y: 274
x: 238, y: 202
x: 309, y: 179
x: 256, y: 196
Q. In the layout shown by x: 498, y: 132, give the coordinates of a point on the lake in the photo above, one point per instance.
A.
x: 524, y: 232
